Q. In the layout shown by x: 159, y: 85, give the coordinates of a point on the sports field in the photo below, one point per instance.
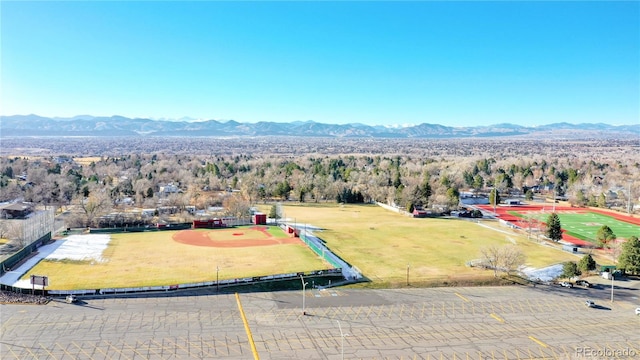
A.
x: 579, y: 225
x: 382, y: 243
x: 585, y: 225
x: 178, y: 257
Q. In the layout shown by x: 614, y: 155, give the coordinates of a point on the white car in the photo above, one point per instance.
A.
x: 70, y: 299
x: 590, y: 303
x: 638, y: 311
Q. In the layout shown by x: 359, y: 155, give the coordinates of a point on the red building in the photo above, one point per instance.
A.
x: 259, y: 219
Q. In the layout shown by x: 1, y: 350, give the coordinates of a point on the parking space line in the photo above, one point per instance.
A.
x: 18, y: 357
x: 247, y: 328
x: 134, y: 349
x: 462, y: 297
x: 538, y: 341
x: 116, y: 349
x: 497, y: 317
x: 81, y: 349
x: 47, y: 350
x: 633, y: 348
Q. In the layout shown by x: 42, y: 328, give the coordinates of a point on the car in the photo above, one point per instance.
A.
x: 70, y: 299
x: 590, y: 303
x: 638, y: 311
x: 584, y: 283
x: 566, y: 284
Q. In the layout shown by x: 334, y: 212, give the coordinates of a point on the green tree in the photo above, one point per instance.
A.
x: 554, y: 228
x: 602, y: 201
x: 604, y: 235
x: 478, y: 182
x: 410, y: 208
x: 586, y: 264
x: 570, y: 269
x: 453, y: 197
x: 494, y: 197
x: 528, y: 195
x: 629, y: 260
x: 273, y: 213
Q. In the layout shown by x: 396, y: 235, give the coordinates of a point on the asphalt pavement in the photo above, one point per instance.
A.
x: 511, y: 322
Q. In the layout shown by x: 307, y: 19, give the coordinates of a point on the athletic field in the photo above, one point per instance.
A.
x: 173, y: 257
x: 389, y: 247
x: 579, y: 225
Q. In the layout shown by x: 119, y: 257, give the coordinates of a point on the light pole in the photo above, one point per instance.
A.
x: 217, y: 278
x: 611, y: 286
x: 341, y: 340
x: 408, y: 266
x: 304, y: 286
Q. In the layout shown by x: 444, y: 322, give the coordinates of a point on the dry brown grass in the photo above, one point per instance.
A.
x: 154, y: 258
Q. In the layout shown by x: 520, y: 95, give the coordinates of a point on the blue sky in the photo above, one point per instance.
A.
x: 450, y: 63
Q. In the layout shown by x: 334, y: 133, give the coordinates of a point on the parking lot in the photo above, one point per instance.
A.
x: 436, y: 323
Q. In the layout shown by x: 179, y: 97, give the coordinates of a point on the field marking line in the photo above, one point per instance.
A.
x: 497, y: 317
x: 538, y: 342
x: 462, y: 297
x: 247, y: 329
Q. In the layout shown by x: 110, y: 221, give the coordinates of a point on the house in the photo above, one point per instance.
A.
x: 169, y: 189
x: 18, y: 210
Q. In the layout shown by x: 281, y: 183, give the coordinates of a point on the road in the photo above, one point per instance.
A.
x: 440, y: 323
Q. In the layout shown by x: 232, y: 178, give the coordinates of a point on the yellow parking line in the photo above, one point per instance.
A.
x: 462, y: 297
x: 497, y: 317
x: 538, y: 341
x: 247, y: 329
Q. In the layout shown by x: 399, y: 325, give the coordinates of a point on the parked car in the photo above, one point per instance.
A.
x: 70, y: 299
x: 590, y: 303
x: 638, y: 311
x: 584, y: 283
x: 566, y: 284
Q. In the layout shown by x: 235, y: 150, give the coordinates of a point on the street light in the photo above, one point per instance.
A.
x: 304, y: 286
x: 611, y: 286
x: 342, y: 335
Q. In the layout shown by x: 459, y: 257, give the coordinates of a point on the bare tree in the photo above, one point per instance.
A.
x: 502, y: 259
x: 491, y: 257
x: 95, y: 205
x: 16, y: 233
x: 512, y: 258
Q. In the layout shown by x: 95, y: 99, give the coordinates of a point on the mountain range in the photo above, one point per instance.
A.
x: 87, y: 125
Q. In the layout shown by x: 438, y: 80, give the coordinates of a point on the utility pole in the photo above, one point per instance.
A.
x: 304, y: 286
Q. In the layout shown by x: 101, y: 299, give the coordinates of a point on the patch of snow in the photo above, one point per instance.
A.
x: 544, y: 274
x: 75, y: 247
x: 82, y: 248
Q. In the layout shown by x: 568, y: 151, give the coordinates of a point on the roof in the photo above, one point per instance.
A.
x: 17, y: 207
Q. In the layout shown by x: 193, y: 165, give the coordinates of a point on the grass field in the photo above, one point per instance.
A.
x: 585, y: 225
x: 382, y: 243
x: 154, y: 258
